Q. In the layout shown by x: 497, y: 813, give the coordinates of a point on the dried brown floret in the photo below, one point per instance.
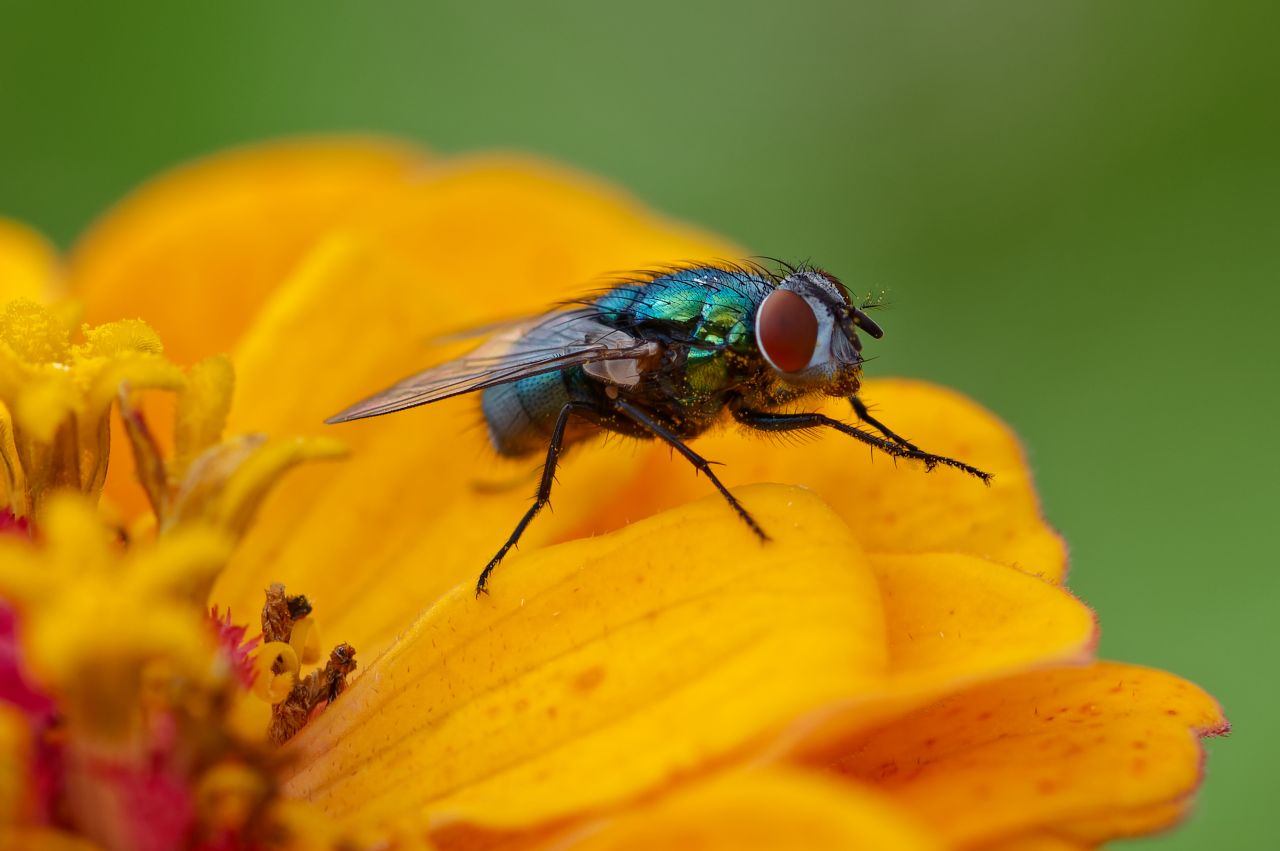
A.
x: 322, y: 686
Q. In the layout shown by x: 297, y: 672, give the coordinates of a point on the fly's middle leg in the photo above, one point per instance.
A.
x: 770, y: 421
x: 543, y: 495
x: 701, y: 464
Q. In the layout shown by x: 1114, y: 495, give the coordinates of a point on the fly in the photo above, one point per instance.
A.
x: 663, y: 356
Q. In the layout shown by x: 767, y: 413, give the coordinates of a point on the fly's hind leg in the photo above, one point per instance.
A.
x: 769, y: 421
x: 701, y: 464
x: 541, y: 498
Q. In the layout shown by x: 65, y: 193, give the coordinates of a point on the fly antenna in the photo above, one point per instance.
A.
x: 865, y: 322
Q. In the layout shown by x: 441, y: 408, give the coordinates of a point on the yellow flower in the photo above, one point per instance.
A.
x: 900, y: 668
x: 121, y: 685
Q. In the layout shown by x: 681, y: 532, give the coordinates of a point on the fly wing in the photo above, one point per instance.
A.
x: 514, y: 351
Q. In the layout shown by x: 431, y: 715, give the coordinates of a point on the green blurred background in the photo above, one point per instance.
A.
x: 1074, y: 208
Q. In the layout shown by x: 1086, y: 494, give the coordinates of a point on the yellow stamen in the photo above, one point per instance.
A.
x: 305, y: 640
x: 267, y: 684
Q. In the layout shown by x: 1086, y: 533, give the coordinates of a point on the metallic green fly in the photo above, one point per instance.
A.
x: 664, y: 355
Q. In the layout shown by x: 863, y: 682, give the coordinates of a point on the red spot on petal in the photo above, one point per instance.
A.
x: 589, y: 679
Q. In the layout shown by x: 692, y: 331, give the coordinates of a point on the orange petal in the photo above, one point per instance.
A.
x: 600, y: 669
x: 952, y: 614
x: 29, y: 265
x: 773, y: 810
x: 953, y: 621
x: 893, y: 507
x: 1038, y: 841
x: 197, y: 250
x: 513, y: 235
x: 1104, y: 750
x: 466, y: 243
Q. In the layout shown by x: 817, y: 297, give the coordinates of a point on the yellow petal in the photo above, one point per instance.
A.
x: 773, y: 810
x: 196, y: 251
x: 294, y: 826
x: 892, y: 507
x: 24, y: 577
x: 42, y: 406
x: 248, y: 486
x: 600, y: 668
x: 226, y: 485
x: 1109, y: 747
x: 202, y: 409
x: 29, y: 266
x: 132, y: 372
x: 181, y: 564
x: 76, y: 539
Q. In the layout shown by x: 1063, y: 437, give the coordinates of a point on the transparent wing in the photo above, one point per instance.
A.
x: 515, y: 350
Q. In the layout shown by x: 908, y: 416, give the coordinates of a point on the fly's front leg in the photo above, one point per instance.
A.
x: 864, y: 415
x: 767, y: 421
x: 544, y: 492
x: 701, y: 464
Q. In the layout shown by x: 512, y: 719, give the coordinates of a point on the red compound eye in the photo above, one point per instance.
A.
x: 787, y: 330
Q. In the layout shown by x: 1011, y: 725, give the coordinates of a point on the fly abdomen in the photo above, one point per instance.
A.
x: 521, y: 415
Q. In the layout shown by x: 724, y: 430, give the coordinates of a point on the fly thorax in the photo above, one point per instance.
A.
x: 623, y: 373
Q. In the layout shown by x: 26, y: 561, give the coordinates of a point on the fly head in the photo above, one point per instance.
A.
x: 807, y: 331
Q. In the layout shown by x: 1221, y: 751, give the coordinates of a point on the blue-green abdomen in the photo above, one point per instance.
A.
x: 521, y: 415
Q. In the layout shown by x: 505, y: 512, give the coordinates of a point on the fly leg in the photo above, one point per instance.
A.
x: 864, y: 415
x: 767, y: 421
x: 699, y: 463
x: 543, y: 496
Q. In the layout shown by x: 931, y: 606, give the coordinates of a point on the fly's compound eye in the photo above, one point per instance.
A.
x: 786, y: 330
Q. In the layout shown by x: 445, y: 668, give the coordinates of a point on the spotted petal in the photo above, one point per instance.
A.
x: 1083, y: 753
x: 600, y: 669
